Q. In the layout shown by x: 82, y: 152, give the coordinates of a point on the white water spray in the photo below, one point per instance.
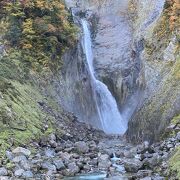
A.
x: 109, y: 115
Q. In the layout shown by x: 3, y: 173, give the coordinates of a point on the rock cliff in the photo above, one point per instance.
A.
x: 160, y: 59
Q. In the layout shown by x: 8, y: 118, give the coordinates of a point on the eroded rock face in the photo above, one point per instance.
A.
x: 74, y: 89
x: 115, y: 60
x: 161, y: 96
x: 140, y: 78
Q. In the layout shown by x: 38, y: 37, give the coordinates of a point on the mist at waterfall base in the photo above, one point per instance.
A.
x: 110, y: 118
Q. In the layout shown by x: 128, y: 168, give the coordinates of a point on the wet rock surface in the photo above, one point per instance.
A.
x: 91, y: 152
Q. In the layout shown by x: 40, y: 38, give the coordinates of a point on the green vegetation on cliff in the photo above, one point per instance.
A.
x: 41, y: 29
x: 174, y: 164
x: 168, y: 27
x: 34, y: 34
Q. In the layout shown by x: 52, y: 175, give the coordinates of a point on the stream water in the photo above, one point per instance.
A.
x: 109, y: 115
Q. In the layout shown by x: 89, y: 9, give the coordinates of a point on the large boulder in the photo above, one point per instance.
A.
x: 3, y: 171
x: 132, y: 165
x: 18, y: 159
x: 82, y: 147
x: 48, y: 166
x: 104, y: 161
x: 59, y: 164
x: 21, y: 151
x: 73, y: 168
x: 19, y: 172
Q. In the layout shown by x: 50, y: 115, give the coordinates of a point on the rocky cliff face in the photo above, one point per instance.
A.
x: 116, y: 61
x: 160, y: 59
x: 135, y: 56
x: 73, y: 87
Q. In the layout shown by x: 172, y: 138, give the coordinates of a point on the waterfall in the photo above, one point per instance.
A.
x: 109, y: 115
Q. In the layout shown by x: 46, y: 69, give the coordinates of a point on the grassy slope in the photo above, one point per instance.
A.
x: 21, y: 117
x: 28, y: 58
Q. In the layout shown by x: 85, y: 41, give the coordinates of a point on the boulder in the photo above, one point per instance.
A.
x: 81, y: 147
x: 19, y: 172
x: 4, y: 178
x: 104, y: 161
x: 20, y: 158
x: 25, y: 165
x: 21, y: 151
x: 128, y: 154
x: 65, y: 157
x: 178, y: 136
x: 152, y: 162
x: 144, y: 173
x: 48, y: 166
x: 59, y: 164
x: 73, y: 168
x: 3, y: 171
x: 9, y: 155
x: 27, y: 174
x: 132, y: 165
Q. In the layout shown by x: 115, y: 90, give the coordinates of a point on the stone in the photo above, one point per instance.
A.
x: 21, y: 151
x: 170, y: 128
x: 87, y: 167
x: 19, y: 172
x: 117, y: 178
x: 152, y: 162
x: 49, y: 152
x: 18, y: 159
x: 53, y: 143
x: 165, y: 155
x: 146, y: 178
x: 9, y: 155
x: 80, y: 164
x: 48, y: 166
x: 128, y: 154
x: 58, y: 149
x: 92, y: 145
x: 157, y: 177
x: 104, y: 161
x: 68, y: 150
x: 132, y: 165
x: 25, y: 165
x: 27, y: 174
x: 93, y: 162
x: 76, y: 156
x: 169, y: 52
x: 73, y: 168
x: 81, y: 147
x: 119, y: 153
x: 169, y: 145
x: 178, y: 136
x: 4, y: 178
x: 144, y: 173
x: 52, y: 137
x: 59, y: 164
x: 65, y: 156
x: 3, y: 171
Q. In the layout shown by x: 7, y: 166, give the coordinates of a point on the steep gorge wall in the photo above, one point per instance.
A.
x: 161, y: 98
x: 115, y: 61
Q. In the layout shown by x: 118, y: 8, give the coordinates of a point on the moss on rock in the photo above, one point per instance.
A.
x: 174, y: 164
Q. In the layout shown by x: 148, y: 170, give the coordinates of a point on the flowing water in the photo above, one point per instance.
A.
x: 109, y: 115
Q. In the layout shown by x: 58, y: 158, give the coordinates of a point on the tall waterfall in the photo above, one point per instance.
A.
x: 109, y: 115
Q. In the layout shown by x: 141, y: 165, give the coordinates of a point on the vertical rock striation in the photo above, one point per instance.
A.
x: 161, y: 98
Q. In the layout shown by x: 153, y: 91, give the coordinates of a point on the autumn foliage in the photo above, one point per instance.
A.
x: 40, y: 27
x: 173, y: 12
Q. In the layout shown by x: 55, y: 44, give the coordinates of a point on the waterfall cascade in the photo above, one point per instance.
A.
x: 109, y: 115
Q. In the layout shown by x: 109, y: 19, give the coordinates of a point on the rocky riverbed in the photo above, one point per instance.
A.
x: 85, y: 153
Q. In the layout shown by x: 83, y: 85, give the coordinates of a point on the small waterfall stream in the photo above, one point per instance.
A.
x: 109, y: 115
